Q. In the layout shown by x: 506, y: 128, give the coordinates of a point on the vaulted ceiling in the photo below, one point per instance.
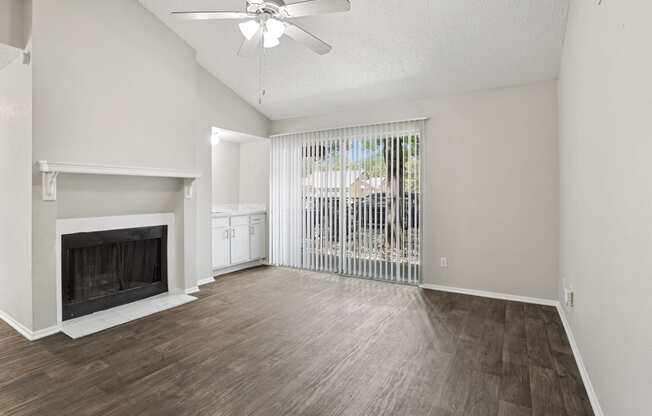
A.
x: 382, y: 50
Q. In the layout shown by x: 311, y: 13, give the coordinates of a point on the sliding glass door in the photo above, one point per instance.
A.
x: 352, y: 198
x: 322, y: 177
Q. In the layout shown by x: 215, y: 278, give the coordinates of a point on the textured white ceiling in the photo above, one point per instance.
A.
x: 383, y: 50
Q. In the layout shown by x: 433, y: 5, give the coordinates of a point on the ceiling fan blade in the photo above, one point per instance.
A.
x: 251, y: 47
x: 312, y: 7
x: 309, y: 40
x: 208, y: 15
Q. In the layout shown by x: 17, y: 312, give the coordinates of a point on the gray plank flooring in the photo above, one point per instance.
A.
x: 274, y: 341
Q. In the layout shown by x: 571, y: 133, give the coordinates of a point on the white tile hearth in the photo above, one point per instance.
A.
x: 99, y: 321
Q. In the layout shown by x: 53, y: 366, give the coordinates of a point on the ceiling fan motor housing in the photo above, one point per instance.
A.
x: 267, y: 8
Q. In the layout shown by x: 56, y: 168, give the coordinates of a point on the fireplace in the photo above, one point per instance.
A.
x: 108, y: 268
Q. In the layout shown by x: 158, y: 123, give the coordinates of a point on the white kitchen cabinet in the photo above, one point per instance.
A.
x: 258, y: 240
x: 221, y: 243
x: 240, y: 250
x: 238, y: 239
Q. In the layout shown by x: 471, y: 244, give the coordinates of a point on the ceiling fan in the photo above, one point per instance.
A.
x: 266, y: 21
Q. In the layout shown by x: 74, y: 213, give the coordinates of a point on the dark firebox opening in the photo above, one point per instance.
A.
x: 104, y: 269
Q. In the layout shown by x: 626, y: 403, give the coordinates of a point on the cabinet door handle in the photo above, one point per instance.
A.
x: 226, y: 234
x: 232, y: 232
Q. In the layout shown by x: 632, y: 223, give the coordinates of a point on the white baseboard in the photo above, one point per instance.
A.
x: 492, y: 295
x: 593, y: 398
x: 42, y: 333
x: 238, y: 267
x: 206, y: 281
x: 26, y: 332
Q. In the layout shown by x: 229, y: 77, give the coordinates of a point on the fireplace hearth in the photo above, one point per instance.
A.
x: 104, y: 269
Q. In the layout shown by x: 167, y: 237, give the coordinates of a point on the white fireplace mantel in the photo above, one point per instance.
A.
x: 50, y: 171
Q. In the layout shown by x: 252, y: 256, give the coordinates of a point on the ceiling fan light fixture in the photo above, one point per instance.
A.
x: 275, y: 27
x: 270, y: 41
x: 249, y: 28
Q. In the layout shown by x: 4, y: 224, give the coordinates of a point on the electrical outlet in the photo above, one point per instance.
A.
x: 569, y: 297
x: 443, y: 262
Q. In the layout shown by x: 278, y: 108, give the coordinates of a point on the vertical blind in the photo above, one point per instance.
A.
x: 349, y: 201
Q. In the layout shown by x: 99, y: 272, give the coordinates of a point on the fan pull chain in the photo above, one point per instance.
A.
x: 261, y: 62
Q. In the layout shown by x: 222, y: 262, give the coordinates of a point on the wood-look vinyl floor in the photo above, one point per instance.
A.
x: 273, y: 341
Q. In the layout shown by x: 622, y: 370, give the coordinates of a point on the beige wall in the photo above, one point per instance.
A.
x: 491, y: 191
x: 605, y: 95
x: 254, y: 172
x: 15, y: 194
x: 241, y: 172
x: 99, y: 98
x: 226, y: 173
x: 216, y: 106
x: 114, y: 85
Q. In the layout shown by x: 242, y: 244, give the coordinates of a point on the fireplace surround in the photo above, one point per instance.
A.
x: 103, y: 262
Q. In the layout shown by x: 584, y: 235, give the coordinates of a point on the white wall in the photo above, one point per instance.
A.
x: 491, y: 191
x: 112, y: 84
x: 605, y: 93
x: 15, y: 189
x: 254, y: 172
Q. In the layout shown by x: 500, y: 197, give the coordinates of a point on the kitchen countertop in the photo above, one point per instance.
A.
x: 235, y: 210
